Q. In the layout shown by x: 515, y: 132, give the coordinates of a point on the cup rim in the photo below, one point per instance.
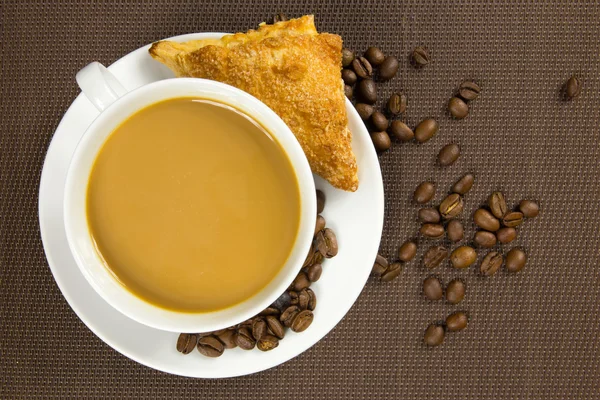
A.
x: 76, y: 224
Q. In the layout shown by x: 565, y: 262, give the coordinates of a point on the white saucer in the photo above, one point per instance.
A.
x: 357, y: 219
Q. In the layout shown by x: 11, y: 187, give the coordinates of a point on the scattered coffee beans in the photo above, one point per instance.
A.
x: 366, y: 91
x: 491, y: 263
x: 379, y: 121
x: 506, y: 235
x: 380, y: 265
x: 455, y: 291
x: 407, y: 251
x: 458, y: 108
x: 434, y: 257
x: 364, y: 110
x: 434, y: 335
x: 348, y: 91
x: 388, y: 68
x: 349, y: 77
x: 432, y: 288
x: 374, y: 56
x: 347, y: 57
x: 326, y: 243
x: 429, y: 215
x: 381, y: 140
x: 457, y: 321
x: 432, y: 231
x: 267, y: 342
x: 320, y: 224
x: 275, y: 327
x: 288, y: 315
x: 455, y: 230
x: 573, y: 87
x: 448, y: 154
x: 463, y: 257
x: 426, y: 130
x: 401, y: 131
x: 497, y: 204
x: 397, y: 104
x: 244, y: 339
x: 320, y: 201
x: 464, y: 184
x: 300, y: 282
x: 469, y: 90
x: 530, y: 209
x: 420, y: 56
x: 513, y: 219
x: 228, y: 338
x: 313, y: 273
x: 362, y: 67
x: 484, y: 239
x: 259, y: 328
x: 451, y: 206
x: 424, y: 192
x: 186, y: 342
x: 515, y: 260
x: 485, y: 220
x: 392, y: 272
x: 302, y: 321
x: 210, y: 346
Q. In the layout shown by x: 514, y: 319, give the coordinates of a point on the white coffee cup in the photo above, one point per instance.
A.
x: 115, y: 105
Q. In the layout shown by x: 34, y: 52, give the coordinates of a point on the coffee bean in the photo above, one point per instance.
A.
x: 392, y: 272
x: 491, y: 263
x: 275, y: 327
x: 432, y: 231
x: 464, y: 184
x: 270, y: 311
x: 457, y: 321
x: 407, y: 251
x: 364, y: 110
x: 432, y: 288
x: 362, y: 67
x: 388, y: 68
x: 347, y: 57
x: 485, y: 220
x: 429, y: 215
x: 374, y: 56
x: 512, y: 219
x: 288, y: 315
x: 312, y: 299
x: 319, y: 224
x: 530, y: 209
x: 434, y: 335
x: 302, y: 321
x: 484, y: 239
x: 280, y: 17
x: 301, y: 282
x: 349, y: 77
x: 506, y: 235
x: 379, y: 121
x: 401, y: 131
x: 380, y: 265
x: 426, y: 130
x: 320, y: 201
x: 348, y: 91
x: 267, y: 342
x: 397, y: 103
x: 451, y: 206
x: 293, y: 298
x: 497, y: 204
x: 424, y: 192
x: 463, y: 257
x: 455, y: 291
x: 259, y: 328
x: 366, y: 91
x: 381, y: 141
x: 434, y: 257
x: 515, y: 260
x: 573, y: 87
x: 244, y: 339
x: 303, y: 299
x: 458, y: 108
x: 326, y: 243
x: 186, y: 342
x: 313, y: 273
x: 313, y: 256
x: 282, y: 302
x: 210, y: 346
x: 469, y: 90
x: 228, y: 338
x: 420, y: 56
x: 448, y: 154
x: 455, y: 230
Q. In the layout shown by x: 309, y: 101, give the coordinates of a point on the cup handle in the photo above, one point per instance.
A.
x: 100, y: 86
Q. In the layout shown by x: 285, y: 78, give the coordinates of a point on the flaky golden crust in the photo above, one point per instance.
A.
x: 295, y: 71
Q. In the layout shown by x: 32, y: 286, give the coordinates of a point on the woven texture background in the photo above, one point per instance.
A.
x: 532, y: 335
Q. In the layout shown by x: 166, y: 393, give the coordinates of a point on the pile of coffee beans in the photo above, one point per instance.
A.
x: 293, y: 309
x: 458, y: 106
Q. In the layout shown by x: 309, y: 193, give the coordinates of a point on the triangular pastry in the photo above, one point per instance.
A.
x: 295, y: 71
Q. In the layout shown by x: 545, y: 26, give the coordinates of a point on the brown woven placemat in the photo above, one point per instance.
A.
x: 533, y: 335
